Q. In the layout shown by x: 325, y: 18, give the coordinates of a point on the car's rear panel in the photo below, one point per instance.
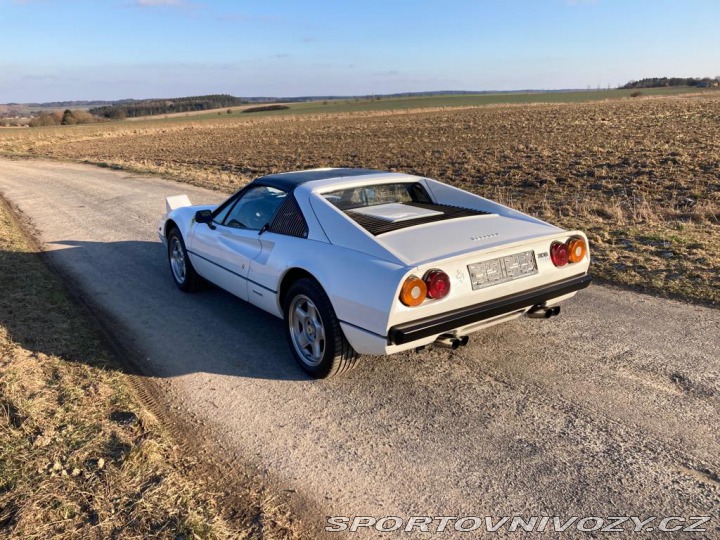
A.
x: 452, y: 238
x: 459, y: 269
x: 516, y: 274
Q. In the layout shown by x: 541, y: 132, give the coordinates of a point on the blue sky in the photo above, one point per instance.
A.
x: 111, y: 49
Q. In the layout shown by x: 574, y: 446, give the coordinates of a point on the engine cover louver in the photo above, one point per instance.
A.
x: 376, y: 226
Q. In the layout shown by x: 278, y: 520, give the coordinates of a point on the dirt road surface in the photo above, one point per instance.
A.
x: 611, y: 409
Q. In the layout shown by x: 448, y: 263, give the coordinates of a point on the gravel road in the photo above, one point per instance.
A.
x: 611, y: 409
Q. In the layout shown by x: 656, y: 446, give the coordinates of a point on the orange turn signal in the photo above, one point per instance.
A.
x: 413, y: 291
x: 577, y: 248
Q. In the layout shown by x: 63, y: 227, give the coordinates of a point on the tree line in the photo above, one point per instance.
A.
x: 663, y: 82
x: 66, y: 118
x: 148, y: 107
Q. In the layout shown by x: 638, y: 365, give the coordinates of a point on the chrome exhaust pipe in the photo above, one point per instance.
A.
x: 448, y: 342
x: 543, y: 312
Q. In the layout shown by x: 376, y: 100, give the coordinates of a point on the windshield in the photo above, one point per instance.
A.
x: 359, y: 197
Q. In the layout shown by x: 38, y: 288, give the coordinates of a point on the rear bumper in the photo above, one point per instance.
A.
x: 445, y: 322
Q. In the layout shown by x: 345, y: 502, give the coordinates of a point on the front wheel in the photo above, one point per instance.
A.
x: 181, y: 268
x: 313, y: 332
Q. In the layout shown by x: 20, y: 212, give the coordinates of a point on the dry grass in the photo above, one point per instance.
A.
x: 641, y: 176
x: 80, y: 456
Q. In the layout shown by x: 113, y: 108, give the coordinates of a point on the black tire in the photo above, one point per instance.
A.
x: 187, y: 280
x: 336, y: 356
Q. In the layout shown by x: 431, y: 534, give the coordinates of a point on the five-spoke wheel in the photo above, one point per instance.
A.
x: 177, y: 260
x: 307, y: 330
x: 181, y: 268
x: 314, y: 333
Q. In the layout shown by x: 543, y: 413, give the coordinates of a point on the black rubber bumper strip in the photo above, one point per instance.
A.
x: 437, y: 324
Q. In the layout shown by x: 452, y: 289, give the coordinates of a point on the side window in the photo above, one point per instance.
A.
x: 255, y: 208
x: 223, y: 213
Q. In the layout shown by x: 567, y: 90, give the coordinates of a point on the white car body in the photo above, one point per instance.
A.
x: 362, y: 273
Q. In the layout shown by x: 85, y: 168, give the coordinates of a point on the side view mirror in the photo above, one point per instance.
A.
x: 204, y: 216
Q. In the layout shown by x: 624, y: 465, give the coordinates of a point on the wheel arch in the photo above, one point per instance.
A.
x: 169, y: 226
x: 291, y: 276
x: 337, y: 354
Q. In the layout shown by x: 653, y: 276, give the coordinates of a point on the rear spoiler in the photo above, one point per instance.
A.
x: 176, y: 201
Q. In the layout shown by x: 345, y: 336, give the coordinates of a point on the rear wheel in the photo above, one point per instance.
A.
x: 181, y: 268
x: 313, y: 331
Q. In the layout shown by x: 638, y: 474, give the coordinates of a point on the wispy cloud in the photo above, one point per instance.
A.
x: 245, y: 18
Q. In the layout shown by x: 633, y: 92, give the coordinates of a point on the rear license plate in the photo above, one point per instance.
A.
x: 502, y: 269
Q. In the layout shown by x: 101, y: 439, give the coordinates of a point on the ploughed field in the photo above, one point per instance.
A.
x: 640, y: 176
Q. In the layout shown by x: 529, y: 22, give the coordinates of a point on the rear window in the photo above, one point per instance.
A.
x: 384, y: 208
x: 359, y: 197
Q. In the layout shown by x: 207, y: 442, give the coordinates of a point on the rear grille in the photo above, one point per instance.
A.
x: 376, y: 226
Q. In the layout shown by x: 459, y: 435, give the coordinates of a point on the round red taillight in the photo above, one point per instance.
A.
x: 559, y: 254
x: 438, y: 284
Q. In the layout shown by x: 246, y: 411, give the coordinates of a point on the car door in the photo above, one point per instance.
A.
x: 281, y: 242
x: 224, y: 249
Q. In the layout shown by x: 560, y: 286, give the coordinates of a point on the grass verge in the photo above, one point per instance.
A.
x: 80, y: 455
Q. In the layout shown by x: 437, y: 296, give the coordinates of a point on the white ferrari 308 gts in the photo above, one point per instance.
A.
x: 359, y: 261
